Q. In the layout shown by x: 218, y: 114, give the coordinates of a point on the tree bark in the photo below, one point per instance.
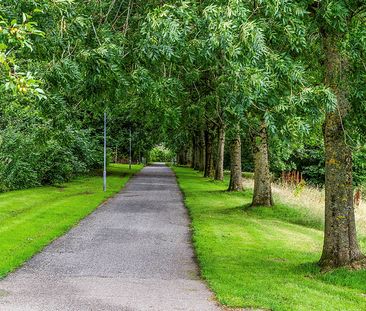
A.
x: 219, y: 169
x: 202, y: 153
x: 262, y: 195
x: 186, y: 156
x: 197, y: 158
x: 196, y: 163
x: 340, y: 240
x: 180, y: 158
x: 209, y: 154
x: 236, y: 182
x: 189, y: 155
x: 193, y: 152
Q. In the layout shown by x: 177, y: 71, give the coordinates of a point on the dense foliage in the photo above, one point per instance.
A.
x: 265, y: 85
x: 161, y: 154
x: 63, y: 65
x: 165, y: 71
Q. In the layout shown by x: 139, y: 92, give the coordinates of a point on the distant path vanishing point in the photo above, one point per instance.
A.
x: 133, y: 253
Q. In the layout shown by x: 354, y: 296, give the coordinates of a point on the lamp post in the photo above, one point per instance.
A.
x: 105, y: 154
x: 130, y: 162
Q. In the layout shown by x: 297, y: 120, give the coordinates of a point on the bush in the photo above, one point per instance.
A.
x: 161, y: 154
x: 29, y: 158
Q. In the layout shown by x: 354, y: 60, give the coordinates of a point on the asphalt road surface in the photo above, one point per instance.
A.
x: 133, y: 253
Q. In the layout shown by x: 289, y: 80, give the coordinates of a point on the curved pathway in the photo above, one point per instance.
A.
x: 133, y: 253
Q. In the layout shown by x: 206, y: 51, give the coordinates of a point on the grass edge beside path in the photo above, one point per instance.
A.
x: 31, y: 219
x: 264, y: 257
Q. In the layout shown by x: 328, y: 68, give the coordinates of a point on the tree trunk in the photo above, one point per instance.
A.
x: 202, y: 153
x: 179, y: 158
x: 197, y: 155
x: 196, y: 161
x: 189, y: 155
x: 262, y: 195
x: 219, y: 169
x: 193, y: 150
x: 185, y: 156
x: 236, y: 182
x: 340, y: 241
x: 209, y: 155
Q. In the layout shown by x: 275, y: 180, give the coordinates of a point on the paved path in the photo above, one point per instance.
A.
x: 133, y: 253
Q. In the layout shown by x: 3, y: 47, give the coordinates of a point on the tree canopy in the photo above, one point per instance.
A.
x: 271, y: 78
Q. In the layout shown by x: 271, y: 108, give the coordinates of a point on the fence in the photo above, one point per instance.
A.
x: 292, y: 178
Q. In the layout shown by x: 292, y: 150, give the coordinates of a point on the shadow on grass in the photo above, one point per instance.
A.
x: 247, y: 193
x: 278, y: 212
x: 231, y: 210
x: 214, y: 191
x: 110, y: 173
x: 285, y: 213
x: 345, y: 277
x: 354, y: 279
x: 61, y: 187
x: 309, y: 269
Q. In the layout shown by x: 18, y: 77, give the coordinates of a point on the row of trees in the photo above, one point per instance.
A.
x: 268, y: 70
x: 196, y: 75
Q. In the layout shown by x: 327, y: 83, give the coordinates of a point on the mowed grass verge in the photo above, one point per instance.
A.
x: 31, y: 219
x: 264, y: 257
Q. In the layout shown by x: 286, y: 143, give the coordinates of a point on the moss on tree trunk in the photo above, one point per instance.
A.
x: 209, y: 154
x: 219, y: 168
x: 340, y: 240
x: 262, y: 195
x: 236, y: 182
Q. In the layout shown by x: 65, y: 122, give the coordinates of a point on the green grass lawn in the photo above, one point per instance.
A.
x: 31, y: 219
x: 264, y: 257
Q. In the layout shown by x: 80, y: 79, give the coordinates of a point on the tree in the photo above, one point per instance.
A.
x: 262, y: 195
x: 236, y: 182
x: 219, y: 169
x: 337, y: 18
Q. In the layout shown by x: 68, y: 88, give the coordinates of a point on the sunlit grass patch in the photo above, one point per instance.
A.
x: 263, y: 257
x: 30, y: 219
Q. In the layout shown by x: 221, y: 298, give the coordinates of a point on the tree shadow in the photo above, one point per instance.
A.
x: 345, y: 277
x: 232, y: 210
x: 110, y: 173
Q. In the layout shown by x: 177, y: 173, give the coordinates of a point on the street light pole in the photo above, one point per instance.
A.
x: 105, y: 154
x: 130, y: 149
